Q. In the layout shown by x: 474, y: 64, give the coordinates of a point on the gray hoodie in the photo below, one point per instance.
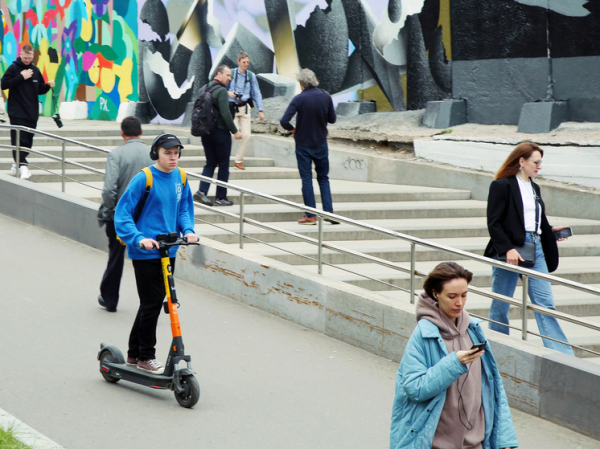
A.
x: 462, y: 423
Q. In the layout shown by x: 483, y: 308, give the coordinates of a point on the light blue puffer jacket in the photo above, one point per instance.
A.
x: 425, y: 373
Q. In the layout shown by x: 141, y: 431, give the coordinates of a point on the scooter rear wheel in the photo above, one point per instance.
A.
x: 107, y: 357
x: 191, y: 392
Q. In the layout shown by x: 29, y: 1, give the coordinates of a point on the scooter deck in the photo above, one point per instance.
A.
x: 132, y: 374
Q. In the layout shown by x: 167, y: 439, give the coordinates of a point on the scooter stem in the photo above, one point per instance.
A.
x: 170, y: 291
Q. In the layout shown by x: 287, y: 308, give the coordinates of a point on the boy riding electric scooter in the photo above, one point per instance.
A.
x: 157, y: 202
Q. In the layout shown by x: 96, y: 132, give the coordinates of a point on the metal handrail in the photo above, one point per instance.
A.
x: 524, y: 272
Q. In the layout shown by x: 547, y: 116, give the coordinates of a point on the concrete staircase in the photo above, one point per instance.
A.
x: 445, y: 216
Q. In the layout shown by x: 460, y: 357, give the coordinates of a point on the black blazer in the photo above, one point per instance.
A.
x: 506, y: 223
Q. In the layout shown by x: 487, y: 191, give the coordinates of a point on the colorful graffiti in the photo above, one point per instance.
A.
x: 89, y: 47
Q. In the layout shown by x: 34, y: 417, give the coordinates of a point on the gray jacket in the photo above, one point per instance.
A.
x: 122, y: 164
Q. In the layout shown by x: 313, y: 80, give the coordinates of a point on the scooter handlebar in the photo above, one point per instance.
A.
x: 177, y: 242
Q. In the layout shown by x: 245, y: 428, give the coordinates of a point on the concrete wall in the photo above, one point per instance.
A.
x: 537, y: 380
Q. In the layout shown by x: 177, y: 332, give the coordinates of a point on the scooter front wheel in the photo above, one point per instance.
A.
x: 191, y: 391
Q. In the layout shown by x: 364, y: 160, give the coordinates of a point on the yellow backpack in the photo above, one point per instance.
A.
x: 142, y: 202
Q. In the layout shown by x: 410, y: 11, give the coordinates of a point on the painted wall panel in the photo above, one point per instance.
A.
x: 89, y: 47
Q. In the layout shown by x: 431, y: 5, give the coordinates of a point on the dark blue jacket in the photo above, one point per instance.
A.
x: 315, y: 109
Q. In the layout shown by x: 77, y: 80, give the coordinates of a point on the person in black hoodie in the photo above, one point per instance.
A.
x: 24, y: 82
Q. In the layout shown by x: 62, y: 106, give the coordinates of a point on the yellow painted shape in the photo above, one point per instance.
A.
x: 404, y: 86
x: 87, y: 26
x: 107, y: 79
x: 124, y: 72
x: 445, y: 23
x: 376, y: 94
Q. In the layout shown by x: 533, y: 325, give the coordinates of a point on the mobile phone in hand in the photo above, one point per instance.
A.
x: 479, y: 347
x: 563, y: 233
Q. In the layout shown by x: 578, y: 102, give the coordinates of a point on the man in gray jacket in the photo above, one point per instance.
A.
x: 122, y: 164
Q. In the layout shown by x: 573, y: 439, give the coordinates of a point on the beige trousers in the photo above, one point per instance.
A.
x: 242, y: 122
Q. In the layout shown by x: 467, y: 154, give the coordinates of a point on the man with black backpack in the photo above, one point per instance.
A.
x: 217, y: 141
x: 243, y: 94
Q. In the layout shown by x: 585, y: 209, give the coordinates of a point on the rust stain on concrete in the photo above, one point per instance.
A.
x: 372, y: 327
x: 218, y: 269
x: 518, y: 381
x: 292, y: 296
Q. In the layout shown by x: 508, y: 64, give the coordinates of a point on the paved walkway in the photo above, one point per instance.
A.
x: 266, y: 383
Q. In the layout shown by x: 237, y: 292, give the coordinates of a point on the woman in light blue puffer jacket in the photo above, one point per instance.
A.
x: 449, y: 396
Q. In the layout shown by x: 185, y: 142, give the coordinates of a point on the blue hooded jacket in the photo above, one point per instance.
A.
x: 425, y: 373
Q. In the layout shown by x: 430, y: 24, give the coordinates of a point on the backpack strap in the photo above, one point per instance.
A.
x: 183, y: 176
x: 142, y: 203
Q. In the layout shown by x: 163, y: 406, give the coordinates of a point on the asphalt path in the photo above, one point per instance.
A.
x: 265, y: 382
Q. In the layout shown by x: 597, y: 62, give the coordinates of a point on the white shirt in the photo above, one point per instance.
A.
x: 529, y: 206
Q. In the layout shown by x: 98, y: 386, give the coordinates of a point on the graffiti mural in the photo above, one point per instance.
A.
x: 393, y: 52
x: 89, y: 47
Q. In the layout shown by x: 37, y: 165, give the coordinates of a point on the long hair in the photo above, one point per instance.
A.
x: 511, y: 164
x: 442, y: 273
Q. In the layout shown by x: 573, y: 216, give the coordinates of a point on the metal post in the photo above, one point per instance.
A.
x: 63, y: 166
x: 320, y: 257
x: 242, y: 220
x: 412, y: 272
x: 18, y: 155
x: 524, y: 308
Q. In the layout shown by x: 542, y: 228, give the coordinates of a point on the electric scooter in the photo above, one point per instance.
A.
x: 182, y: 381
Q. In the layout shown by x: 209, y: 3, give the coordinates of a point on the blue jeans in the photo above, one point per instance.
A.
x: 320, y: 156
x: 504, y: 282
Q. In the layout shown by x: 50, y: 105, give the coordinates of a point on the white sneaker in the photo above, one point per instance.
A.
x: 25, y: 173
x: 13, y: 168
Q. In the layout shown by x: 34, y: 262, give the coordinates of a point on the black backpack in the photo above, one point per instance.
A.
x: 204, y: 119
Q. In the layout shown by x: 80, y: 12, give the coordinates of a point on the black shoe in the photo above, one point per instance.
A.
x: 202, y: 198
x: 331, y: 220
x: 103, y: 304
x: 223, y: 202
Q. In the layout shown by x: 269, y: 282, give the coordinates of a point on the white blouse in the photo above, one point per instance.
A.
x: 529, y: 206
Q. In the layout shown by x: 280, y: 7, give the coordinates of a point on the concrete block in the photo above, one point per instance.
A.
x: 570, y: 393
x: 351, y: 108
x: 73, y: 110
x: 273, y: 85
x: 126, y: 109
x: 493, y: 99
x: 445, y: 113
x: 542, y: 116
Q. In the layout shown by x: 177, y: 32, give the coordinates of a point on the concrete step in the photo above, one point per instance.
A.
x: 567, y: 300
x: 77, y: 131
x: 425, y: 228
x: 82, y: 175
x: 363, y: 211
x: 100, y: 162
x: 585, y: 270
x: 109, y: 141
x: 295, y: 253
x: 577, y: 335
x: 73, y: 151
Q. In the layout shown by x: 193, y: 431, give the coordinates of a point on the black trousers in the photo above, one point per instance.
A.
x: 111, y: 281
x: 25, y: 139
x: 151, y: 290
x: 217, y: 149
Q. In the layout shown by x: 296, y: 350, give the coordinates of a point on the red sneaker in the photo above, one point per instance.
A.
x: 308, y: 220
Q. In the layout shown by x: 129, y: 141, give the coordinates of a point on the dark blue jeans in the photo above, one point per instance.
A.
x: 217, y: 149
x: 320, y: 156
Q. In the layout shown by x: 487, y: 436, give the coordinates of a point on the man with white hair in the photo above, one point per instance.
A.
x: 315, y: 109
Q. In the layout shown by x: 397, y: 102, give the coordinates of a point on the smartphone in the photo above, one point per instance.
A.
x: 479, y: 347
x: 563, y: 233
